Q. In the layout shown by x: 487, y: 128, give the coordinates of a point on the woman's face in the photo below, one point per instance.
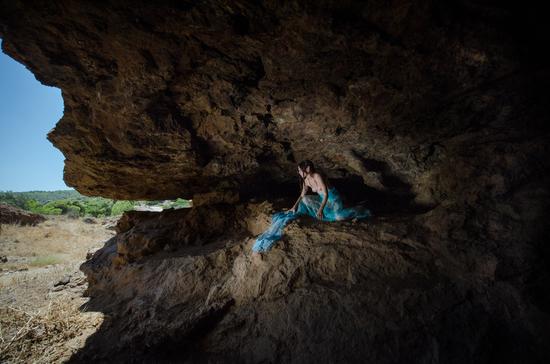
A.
x: 303, y: 173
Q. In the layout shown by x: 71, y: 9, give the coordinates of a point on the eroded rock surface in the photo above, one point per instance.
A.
x: 13, y: 215
x: 166, y: 100
x: 435, y: 113
x: 388, y: 290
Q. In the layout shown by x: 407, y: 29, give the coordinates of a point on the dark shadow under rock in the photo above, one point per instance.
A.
x: 388, y: 286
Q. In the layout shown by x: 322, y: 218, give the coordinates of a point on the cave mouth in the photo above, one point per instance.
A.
x: 435, y: 112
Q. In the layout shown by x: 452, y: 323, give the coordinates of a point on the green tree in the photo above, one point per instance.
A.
x: 179, y: 203
x: 121, y: 206
x: 98, y: 207
x: 32, y: 205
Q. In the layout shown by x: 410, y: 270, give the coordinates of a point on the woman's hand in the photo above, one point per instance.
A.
x: 292, y: 209
x: 320, y: 214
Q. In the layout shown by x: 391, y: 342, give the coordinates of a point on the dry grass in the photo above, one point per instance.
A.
x: 47, y: 335
x: 45, y: 260
x: 29, y: 289
x: 39, y: 325
x: 67, y: 238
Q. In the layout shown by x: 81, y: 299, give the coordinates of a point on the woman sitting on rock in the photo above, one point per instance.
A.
x: 325, y: 206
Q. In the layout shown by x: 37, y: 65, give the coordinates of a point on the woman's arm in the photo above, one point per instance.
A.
x: 304, y: 191
x: 323, y: 185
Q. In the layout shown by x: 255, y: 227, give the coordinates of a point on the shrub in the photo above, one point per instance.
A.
x: 73, y: 212
x: 180, y: 202
x: 121, y: 206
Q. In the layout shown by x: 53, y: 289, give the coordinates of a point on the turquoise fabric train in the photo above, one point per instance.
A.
x: 309, y: 205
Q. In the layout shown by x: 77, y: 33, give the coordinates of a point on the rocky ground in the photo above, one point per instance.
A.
x: 41, y: 286
x: 395, y: 289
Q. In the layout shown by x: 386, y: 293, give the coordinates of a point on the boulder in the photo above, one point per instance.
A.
x: 13, y: 215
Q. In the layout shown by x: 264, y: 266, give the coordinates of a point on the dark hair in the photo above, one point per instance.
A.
x: 303, y: 165
x: 306, y: 163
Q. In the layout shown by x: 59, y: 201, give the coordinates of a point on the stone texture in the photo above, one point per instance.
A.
x: 141, y: 233
x: 435, y: 113
x: 164, y: 101
x: 388, y: 290
x: 213, y: 197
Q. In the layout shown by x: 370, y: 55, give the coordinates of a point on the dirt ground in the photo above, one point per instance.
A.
x: 41, y: 286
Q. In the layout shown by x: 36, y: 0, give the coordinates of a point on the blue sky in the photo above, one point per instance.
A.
x: 28, y: 111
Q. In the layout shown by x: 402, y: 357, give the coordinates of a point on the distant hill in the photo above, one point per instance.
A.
x: 44, y: 196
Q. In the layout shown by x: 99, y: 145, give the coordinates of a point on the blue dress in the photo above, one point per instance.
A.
x: 309, y: 205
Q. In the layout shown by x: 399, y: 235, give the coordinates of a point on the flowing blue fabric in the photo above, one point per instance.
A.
x: 309, y: 205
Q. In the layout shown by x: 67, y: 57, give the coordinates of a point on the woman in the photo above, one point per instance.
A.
x: 326, y: 206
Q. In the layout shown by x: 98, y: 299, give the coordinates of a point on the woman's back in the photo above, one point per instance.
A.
x: 315, y: 187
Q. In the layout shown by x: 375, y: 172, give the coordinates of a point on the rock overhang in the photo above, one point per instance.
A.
x: 170, y: 100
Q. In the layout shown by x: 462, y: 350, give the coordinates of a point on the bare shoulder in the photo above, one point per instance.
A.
x: 322, y: 178
x: 318, y: 176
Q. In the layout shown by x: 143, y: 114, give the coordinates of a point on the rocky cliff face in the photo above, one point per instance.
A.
x: 435, y: 113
